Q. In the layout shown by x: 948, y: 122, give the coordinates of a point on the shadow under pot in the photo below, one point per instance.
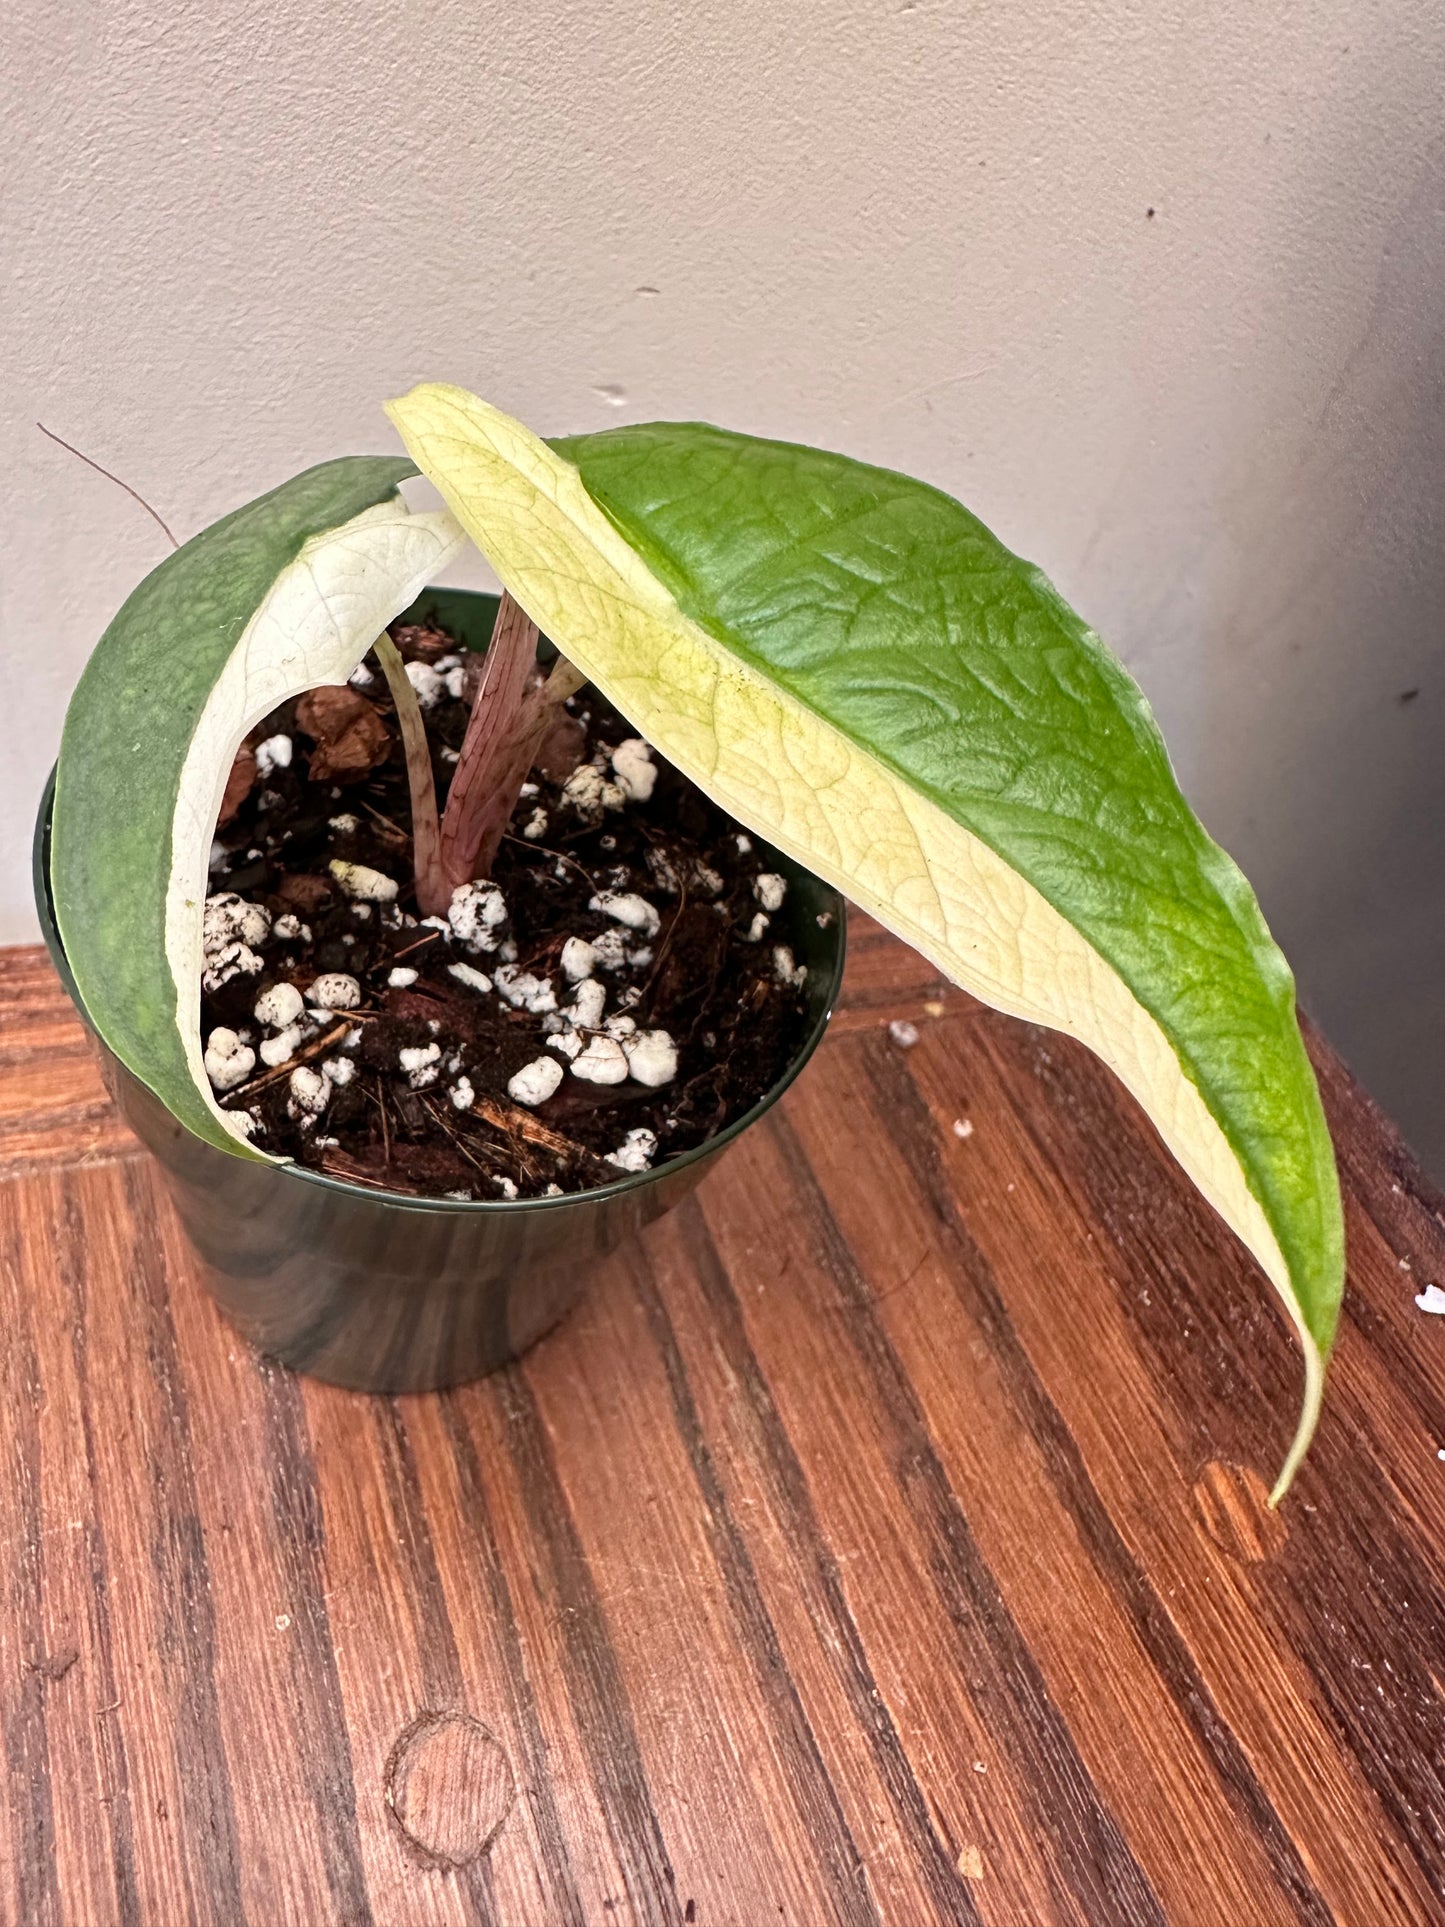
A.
x: 385, y: 1292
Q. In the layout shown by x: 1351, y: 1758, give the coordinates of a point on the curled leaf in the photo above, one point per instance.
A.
x: 851, y: 663
x: 285, y: 593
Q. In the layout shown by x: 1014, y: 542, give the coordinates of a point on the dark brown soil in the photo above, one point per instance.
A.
x: 719, y: 991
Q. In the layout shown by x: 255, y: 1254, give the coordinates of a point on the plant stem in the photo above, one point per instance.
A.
x: 509, y: 718
x: 512, y: 713
x: 433, y: 893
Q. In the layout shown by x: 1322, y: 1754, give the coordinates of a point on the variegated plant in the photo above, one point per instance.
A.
x: 844, y: 658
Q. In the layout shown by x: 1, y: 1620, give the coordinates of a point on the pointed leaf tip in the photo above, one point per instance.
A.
x: 858, y: 669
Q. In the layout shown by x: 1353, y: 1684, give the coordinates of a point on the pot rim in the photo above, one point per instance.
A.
x: 408, y: 1201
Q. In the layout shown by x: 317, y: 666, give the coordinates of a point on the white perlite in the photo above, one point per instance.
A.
x: 400, y: 977
x: 589, y: 1000
x: 566, y: 1040
x: 758, y: 928
x: 1430, y: 1299
x: 279, y: 1007
x: 522, y: 990
x: 663, y: 872
x: 535, y: 827
x: 420, y: 1064
x: 279, y: 1049
x: 231, y: 960
x: 507, y: 1187
x: 963, y: 1127
x: 273, y: 754
x: 535, y: 1082
x: 462, y: 1094
x: 344, y: 825
x: 651, y: 1057
x: 453, y: 673
x: 601, y: 1063
x: 589, y: 793
x: 785, y: 970
x: 610, y: 950
x: 228, y: 919
x: 362, y: 883
x: 340, y: 1070
x: 334, y: 990
x: 634, y: 769
x: 627, y: 908
x: 429, y: 686
x: 904, y: 1034
x: 477, y: 980
x: 636, y: 1151
x: 770, y: 889
x: 361, y: 677
x: 310, y: 1092
x: 229, y: 1062
x: 476, y: 914
x: 290, y: 929
x: 579, y: 959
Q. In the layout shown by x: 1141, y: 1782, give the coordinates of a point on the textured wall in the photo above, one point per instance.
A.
x: 916, y: 230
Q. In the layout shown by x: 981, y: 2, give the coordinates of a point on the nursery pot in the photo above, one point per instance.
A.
x: 385, y: 1292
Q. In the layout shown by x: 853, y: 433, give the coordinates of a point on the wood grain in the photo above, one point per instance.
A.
x: 882, y: 1541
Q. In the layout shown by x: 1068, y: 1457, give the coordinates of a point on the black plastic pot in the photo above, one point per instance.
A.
x: 389, y: 1293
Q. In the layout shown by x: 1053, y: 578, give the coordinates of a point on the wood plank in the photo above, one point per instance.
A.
x: 53, y: 1104
x: 880, y: 1542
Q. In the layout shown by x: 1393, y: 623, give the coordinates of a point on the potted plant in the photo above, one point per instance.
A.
x: 883, y: 698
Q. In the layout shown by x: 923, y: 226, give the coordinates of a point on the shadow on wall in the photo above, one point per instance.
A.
x: 1342, y: 757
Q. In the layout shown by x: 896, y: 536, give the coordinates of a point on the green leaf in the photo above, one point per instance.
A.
x: 854, y: 665
x: 283, y: 594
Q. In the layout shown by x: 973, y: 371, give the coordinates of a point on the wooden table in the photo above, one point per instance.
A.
x: 882, y: 1542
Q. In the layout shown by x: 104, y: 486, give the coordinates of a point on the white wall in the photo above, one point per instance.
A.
x: 915, y: 230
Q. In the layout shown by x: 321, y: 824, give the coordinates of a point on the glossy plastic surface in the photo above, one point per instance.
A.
x: 390, y: 1293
